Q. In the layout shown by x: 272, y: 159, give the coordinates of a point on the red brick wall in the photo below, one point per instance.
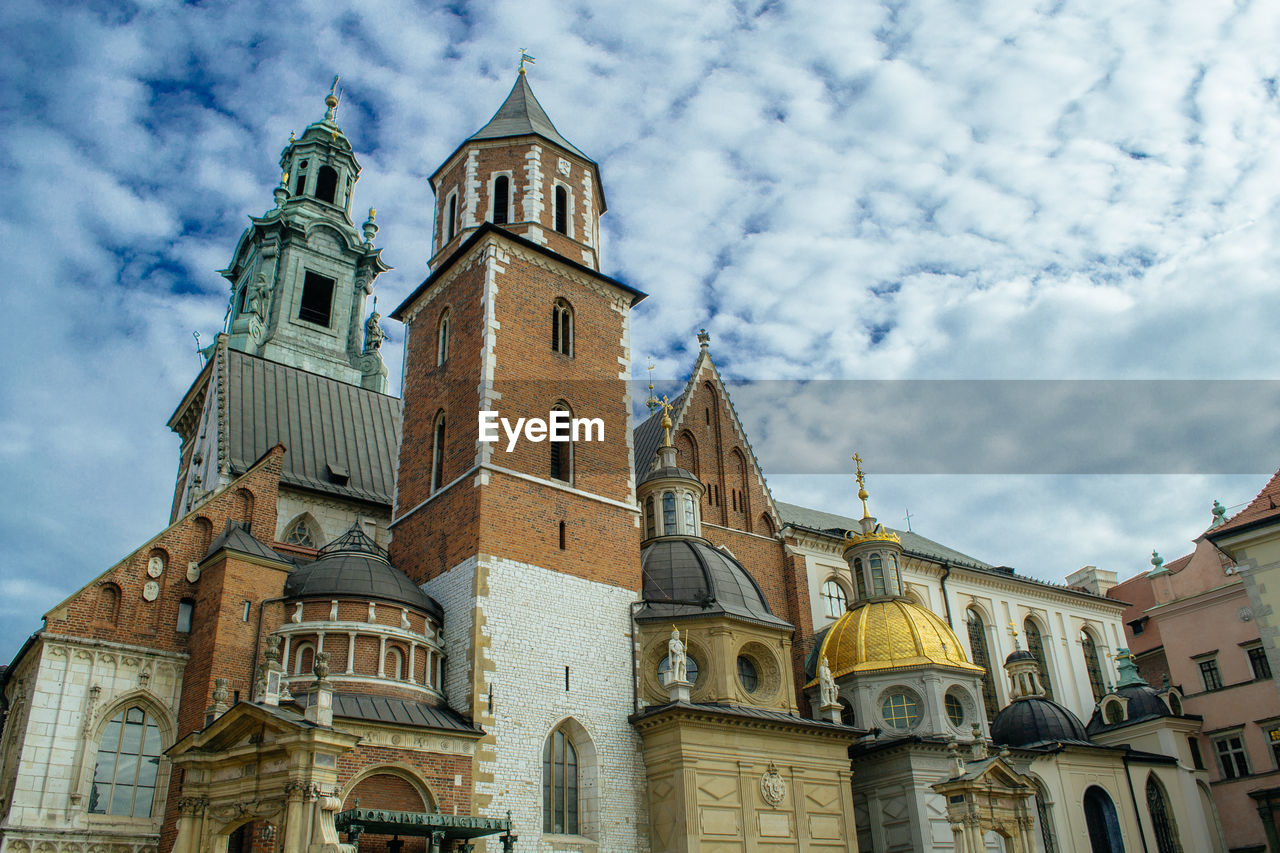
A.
x: 512, y: 157
x: 386, y: 790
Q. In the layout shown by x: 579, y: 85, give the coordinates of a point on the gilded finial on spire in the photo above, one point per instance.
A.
x: 652, y: 402
x: 862, y: 485
x: 666, y: 421
x: 1013, y: 632
x: 331, y: 100
x: 525, y: 57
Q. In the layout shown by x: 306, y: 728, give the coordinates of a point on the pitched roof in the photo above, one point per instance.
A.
x: 647, y: 437
x: 341, y: 439
x: 912, y: 543
x: 1262, y: 508
x: 522, y: 115
x: 235, y: 538
x: 399, y: 712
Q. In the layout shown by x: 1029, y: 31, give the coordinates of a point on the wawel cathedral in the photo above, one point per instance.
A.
x: 366, y: 629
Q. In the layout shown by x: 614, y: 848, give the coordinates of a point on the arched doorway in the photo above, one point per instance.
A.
x: 393, y: 790
x: 1162, y: 820
x: 1102, y: 821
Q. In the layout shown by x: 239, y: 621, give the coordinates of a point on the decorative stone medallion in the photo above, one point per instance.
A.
x: 772, y: 786
x: 563, y: 167
x: 151, y: 591
x: 155, y: 567
x: 1245, y: 614
x: 193, y: 571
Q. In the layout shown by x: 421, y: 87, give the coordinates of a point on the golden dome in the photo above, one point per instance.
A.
x: 891, y: 634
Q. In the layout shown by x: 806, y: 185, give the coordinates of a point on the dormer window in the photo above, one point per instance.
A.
x: 327, y: 184
x: 317, y: 299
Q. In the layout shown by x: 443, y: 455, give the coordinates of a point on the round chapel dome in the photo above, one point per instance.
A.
x: 1032, y: 720
x: 890, y: 634
x: 1143, y: 703
x: 686, y: 576
x: 354, y: 566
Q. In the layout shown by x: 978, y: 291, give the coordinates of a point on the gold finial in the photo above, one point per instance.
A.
x: 1013, y: 632
x: 331, y: 100
x: 372, y: 214
x: 652, y: 402
x: 666, y: 421
x: 292, y: 138
x: 525, y: 57
x: 862, y: 486
x: 284, y: 178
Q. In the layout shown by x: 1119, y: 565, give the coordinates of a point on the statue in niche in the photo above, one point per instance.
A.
x: 678, y: 662
x: 826, y: 684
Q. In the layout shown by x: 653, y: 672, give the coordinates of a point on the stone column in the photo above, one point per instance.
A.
x: 382, y: 657
x: 284, y: 655
x: 413, y: 663
x: 351, y: 652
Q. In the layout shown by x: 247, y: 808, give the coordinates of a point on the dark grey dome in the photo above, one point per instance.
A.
x: 1030, y: 721
x: 685, y: 576
x: 660, y: 473
x: 1019, y: 654
x: 353, y: 566
x: 1144, y: 704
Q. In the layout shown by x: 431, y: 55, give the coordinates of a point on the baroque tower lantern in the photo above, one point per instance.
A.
x: 302, y: 271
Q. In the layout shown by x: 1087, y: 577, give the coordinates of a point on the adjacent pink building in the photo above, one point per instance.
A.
x: 1192, y: 618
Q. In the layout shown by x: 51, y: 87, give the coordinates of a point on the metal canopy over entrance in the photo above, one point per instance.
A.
x: 435, y: 827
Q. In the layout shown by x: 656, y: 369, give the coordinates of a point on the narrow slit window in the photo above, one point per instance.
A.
x: 317, y: 299
x: 501, y: 189
x: 562, y: 210
x: 562, y: 327
x: 437, y: 455
x: 562, y: 536
x: 442, y: 340
x: 453, y: 217
x: 668, y: 514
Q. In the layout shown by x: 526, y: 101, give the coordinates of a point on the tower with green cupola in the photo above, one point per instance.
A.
x: 302, y: 272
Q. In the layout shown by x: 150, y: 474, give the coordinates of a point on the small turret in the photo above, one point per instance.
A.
x: 874, y: 553
x: 670, y: 496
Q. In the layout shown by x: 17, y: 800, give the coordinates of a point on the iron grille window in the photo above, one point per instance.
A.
x: 317, y: 299
x: 1209, y: 672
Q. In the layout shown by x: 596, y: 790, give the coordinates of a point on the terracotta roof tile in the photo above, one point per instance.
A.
x: 1265, y: 505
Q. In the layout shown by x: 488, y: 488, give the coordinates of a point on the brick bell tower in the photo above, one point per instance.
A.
x: 532, y: 547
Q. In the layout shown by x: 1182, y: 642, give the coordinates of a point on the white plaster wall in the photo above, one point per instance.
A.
x: 537, y: 622
x: 335, y: 516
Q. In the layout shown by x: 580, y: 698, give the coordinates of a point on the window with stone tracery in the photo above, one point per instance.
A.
x: 300, y: 533
x: 124, y: 778
x: 559, y: 785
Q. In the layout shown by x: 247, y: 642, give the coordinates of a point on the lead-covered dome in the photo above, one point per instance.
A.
x: 354, y: 566
x: 891, y: 634
x: 1144, y: 703
x: 1033, y: 720
x: 684, y: 576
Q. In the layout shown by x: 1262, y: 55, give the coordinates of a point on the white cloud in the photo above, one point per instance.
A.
x: 906, y: 190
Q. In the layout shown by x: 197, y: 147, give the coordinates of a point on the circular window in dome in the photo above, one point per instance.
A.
x: 901, y: 709
x: 955, y: 709
x: 1113, y: 712
x: 690, y: 665
x: 747, y: 674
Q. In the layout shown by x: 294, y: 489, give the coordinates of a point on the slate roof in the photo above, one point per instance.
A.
x: 647, y: 438
x: 522, y: 115
x: 1264, y: 507
x: 341, y: 439
x: 344, y: 574
x: 400, y: 712
x: 912, y: 543
x: 234, y: 537
x: 688, y: 577
x: 748, y: 712
x: 1027, y: 722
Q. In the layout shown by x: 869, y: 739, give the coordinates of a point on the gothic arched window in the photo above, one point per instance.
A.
x: 1047, y: 837
x: 1102, y: 822
x: 982, y: 657
x: 124, y: 779
x: 442, y: 339
x: 327, y: 184
x: 559, y: 784
x: 437, y: 454
x: 501, y: 195
x: 562, y: 209
x: 300, y: 533
x: 1162, y: 819
x: 1092, y: 665
x: 562, y: 327
x: 1035, y: 645
x: 833, y: 599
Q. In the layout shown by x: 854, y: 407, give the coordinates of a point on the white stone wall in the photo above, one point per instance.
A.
x: 55, y: 761
x: 537, y: 622
x: 334, y: 516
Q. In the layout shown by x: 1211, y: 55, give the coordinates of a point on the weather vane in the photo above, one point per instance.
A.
x: 862, y: 485
x: 525, y: 57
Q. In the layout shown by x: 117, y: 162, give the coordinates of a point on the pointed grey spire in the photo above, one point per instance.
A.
x: 522, y: 115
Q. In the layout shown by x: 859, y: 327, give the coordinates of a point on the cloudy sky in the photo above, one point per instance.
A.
x: 911, y: 190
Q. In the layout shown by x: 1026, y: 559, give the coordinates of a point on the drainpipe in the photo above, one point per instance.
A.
x: 1137, y: 813
x: 946, y: 573
x: 257, y: 640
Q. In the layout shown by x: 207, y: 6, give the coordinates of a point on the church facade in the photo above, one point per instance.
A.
x: 368, y: 627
